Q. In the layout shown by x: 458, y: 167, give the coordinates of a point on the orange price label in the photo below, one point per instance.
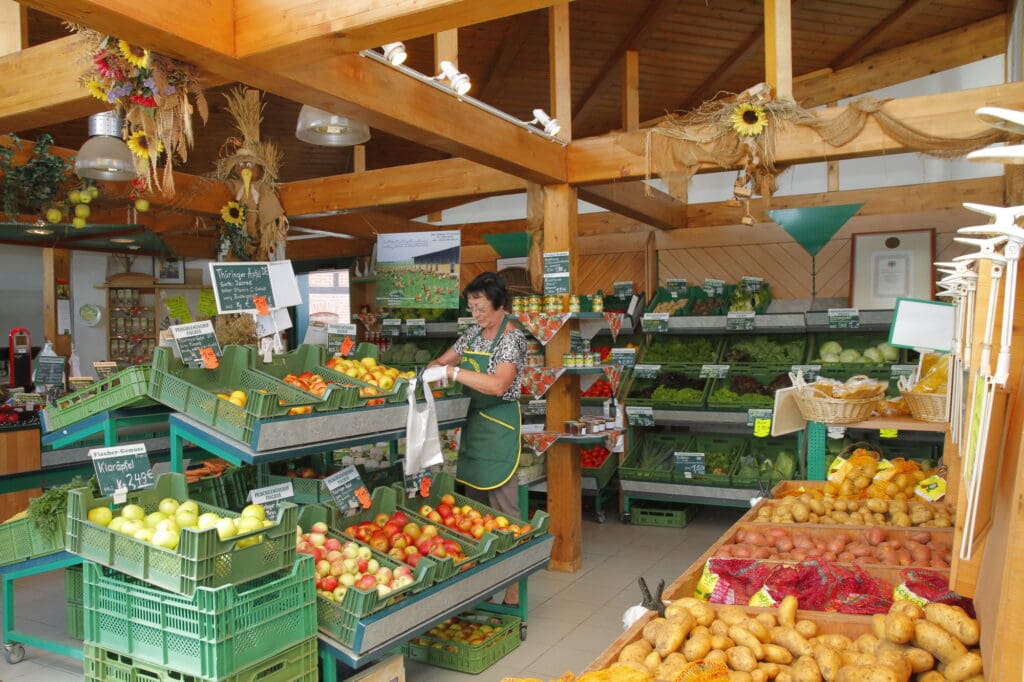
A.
x: 209, y: 358
x: 363, y: 495
x: 347, y: 345
x: 425, y: 486
x: 261, y: 305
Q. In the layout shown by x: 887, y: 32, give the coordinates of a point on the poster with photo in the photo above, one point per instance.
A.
x: 418, y: 269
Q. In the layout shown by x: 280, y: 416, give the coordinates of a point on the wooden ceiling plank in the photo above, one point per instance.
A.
x: 632, y: 199
x: 862, y: 47
x: 603, y: 158
x: 648, y: 22
x: 507, y: 54
x: 712, y: 84
x: 272, y: 32
x: 945, y: 51
x: 429, y: 181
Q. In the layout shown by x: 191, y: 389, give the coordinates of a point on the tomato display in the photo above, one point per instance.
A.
x: 594, y: 457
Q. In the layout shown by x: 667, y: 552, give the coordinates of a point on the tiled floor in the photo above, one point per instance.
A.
x: 573, y: 616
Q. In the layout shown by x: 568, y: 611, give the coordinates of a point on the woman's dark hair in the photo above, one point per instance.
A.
x: 491, y: 285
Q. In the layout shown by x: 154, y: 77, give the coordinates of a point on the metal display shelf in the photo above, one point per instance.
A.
x: 15, y: 640
x: 870, y: 321
x: 699, y: 418
x: 766, y: 322
x: 110, y: 424
x: 332, y: 430
x: 378, y: 633
x: 681, y: 492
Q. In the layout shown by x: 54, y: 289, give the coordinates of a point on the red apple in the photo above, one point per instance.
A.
x: 329, y: 583
x: 424, y: 546
x: 412, y: 530
x: 332, y: 544
x: 425, y: 510
x: 429, y: 531
x: 397, y: 553
x: 445, y: 510
x: 448, y: 499
x: 337, y: 567
x: 477, y: 531
x: 361, y: 564
x: 391, y: 529
x: 400, y: 518
x: 334, y: 555
x: 366, y: 582
x: 351, y: 531
x: 401, y: 540
x: 438, y: 551
x: 380, y: 519
x: 413, y: 559
x: 379, y: 541
x: 319, y: 527
x: 451, y: 522
x: 465, y: 524
x: 323, y: 567
x: 434, y: 516
x: 452, y: 547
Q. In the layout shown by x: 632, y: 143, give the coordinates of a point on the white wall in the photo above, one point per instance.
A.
x: 87, y: 270
x: 21, y: 287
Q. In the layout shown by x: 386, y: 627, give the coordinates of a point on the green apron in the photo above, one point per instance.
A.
x: 489, y: 446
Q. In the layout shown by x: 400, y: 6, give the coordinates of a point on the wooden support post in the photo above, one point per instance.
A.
x: 565, y: 496
x: 631, y: 90
x: 833, y: 169
x: 778, y: 47
x: 651, y: 265
x: 13, y: 25
x: 359, y: 159
x: 558, y: 58
x: 446, y: 48
x: 56, y: 266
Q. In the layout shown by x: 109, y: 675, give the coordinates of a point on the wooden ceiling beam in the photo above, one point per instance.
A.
x: 862, y: 47
x: 273, y: 32
x: 657, y: 11
x: 363, y: 224
x: 418, y: 182
x: 635, y: 200
x: 601, y: 159
x: 947, y: 50
x: 327, y: 247
x: 354, y: 86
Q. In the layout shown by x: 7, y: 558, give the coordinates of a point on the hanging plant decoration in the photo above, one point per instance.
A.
x: 157, y: 94
x: 33, y: 186
x: 249, y: 166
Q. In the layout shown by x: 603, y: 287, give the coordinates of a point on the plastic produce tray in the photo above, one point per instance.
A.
x: 341, y: 619
x: 207, y: 491
x: 662, y: 296
x: 194, y: 392
x: 762, y: 305
x: 21, y: 540
x: 297, y: 664
x: 665, y: 514
x: 465, y: 657
x: 734, y: 446
x: 766, y: 448
x: 719, y: 304
x: 385, y: 501
x: 858, y: 341
x: 633, y: 467
x: 127, y: 388
x: 795, y: 349
x: 690, y: 372
x: 73, y: 594
x: 443, y: 484
x: 762, y: 375
x: 234, y: 486
x: 684, y: 350
x: 201, y: 559
x: 604, y: 473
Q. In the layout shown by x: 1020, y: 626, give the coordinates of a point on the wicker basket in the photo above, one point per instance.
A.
x: 819, y: 408
x: 928, y: 407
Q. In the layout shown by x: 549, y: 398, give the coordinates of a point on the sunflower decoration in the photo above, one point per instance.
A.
x: 157, y: 94
x: 234, y: 237
x: 249, y: 167
x: 748, y: 119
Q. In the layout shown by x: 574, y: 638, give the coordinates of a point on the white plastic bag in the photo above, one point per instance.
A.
x: 422, y: 442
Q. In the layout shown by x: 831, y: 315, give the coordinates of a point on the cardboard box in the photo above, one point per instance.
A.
x: 391, y: 669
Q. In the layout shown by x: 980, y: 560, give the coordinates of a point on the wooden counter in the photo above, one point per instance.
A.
x: 19, y: 451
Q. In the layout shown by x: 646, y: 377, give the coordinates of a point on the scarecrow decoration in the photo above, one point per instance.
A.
x: 253, y: 225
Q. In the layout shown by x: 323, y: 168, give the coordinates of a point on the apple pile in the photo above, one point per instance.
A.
x: 341, y: 565
x: 240, y: 399
x: 468, y: 520
x: 405, y: 540
x: 163, y: 527
x: 458, y: 630
x: 369, y: 372
x: 307, y: 381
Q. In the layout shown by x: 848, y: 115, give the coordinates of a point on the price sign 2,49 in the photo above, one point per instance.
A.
x: 122, y: 468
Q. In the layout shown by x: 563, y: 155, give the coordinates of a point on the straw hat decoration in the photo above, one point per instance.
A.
x: 249, y: 167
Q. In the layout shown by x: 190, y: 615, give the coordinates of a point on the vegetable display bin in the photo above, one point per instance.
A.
x: 745, y: 388
x: 127, y: 388
x: 653, y: 458
x: 201, y: 559
x: 761, y: 465
x: 465, y: 657
x: 770, y: 349
x: 675, y: 387
x: 22, y: 539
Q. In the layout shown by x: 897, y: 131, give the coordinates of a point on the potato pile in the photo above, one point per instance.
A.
x: 868, y: 546
x: 810, y: 508
x: 931, y: 643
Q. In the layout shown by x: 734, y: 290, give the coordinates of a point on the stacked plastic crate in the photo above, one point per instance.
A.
x: 238, y: 609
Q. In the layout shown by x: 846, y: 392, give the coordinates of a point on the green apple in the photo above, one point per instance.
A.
x: 82, y: 211
x: 226, y: 529
x: 190, y: 505
x: 74, y: 196
x: 84, y: 197
x: 186, y: 519
x: 93, y: 191
x: 142, y: 205
x: 101, y: 515
x: 78, y: 223
x: 116, y: 524
x: 208, y: 520
x: 53, y: 215
x: 168, y: 506
x: 255, y: 511
x: 154, y: 518
x: 167, y: 524
x: 130, y: 527
x: 165, y: 538
x: 144, y: 534
x: 247, y: 524
x: 133, y: 512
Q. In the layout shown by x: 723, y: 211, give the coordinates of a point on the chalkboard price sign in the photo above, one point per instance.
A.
x: 122, y: 468
x: 49, y: 370
x: 348, y: 489
x: 236, y: 283
x: 192, y: 338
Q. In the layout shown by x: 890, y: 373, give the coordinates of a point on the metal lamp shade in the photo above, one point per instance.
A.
x: 323, y: 128
x: 105, y: 156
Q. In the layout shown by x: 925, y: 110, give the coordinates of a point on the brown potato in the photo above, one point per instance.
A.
x: 963, y: 668
x: 652, y: 661
x: 864, y: 673
x: 938, y: 642
x: 806, y: 628
x: 697, y: 647
x: 651, y: 630
x: 721, y: 642
x: 635, y: 651
x: 898, y: 627
x: 670, y: 637
x: 787, y: 611
x: 955, y: 621
x: 896, y: 662
x: 805, y: 669
x: 739, y: 676
x: 792, y: 640
x: 756, y: 628
x: 732, y: 615
x: 835, y: 641
x: 767, y: 620
x: 829, y: 662
x: 774, y: 653
x: 866, y: 643
x: 743, y: 637
x: 741, y: 658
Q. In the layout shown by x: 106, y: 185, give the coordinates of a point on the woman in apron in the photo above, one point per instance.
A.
x: 488, y: 359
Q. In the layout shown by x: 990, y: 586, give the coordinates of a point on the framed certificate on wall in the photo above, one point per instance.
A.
x: 885, y: 266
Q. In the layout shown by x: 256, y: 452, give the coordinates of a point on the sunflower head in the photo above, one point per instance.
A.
x: 233, y: 213
x: 142, y: 146
x: 748, y: 120
x: 97, y: 90
x: 133, y: 54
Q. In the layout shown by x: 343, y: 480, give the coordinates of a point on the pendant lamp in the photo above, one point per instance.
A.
x: 105, y: 156
x: 320, y: 127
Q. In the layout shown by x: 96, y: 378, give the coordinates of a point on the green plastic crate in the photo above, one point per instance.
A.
x: 702, y: 305
x: 306, y: 490
x: 465, y: 657
x: 858, y: 341
x: 762, y: 302
x: 665, y: 514
x: 341, y: 619
x: 662, y: 296
x: 377, y: 477
x: 765, y: 349
x: 194, y: 392
x: 604, y: 473
x: 660, y: 447
x: 234, y: 486
x: 720, y: 390
x: 74, y: 595
x: 733, y: 446
x: 127, y: 388
x: 21, y: 540
x: 698, y: 401
x: 207, y: 491
x: 683, y: 350
x: 201, y: 559
x: 762, y: 449
x: 300, y: 663
x: 385, y: 501
x: 211, y: 634
x: 444, y: 484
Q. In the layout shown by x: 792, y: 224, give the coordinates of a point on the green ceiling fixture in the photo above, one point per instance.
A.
x: 116, y: 238
x: 813, y: 227
x: 510, y: 244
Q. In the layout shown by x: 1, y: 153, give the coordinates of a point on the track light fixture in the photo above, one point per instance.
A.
x: 457, y: 81
x: 394, y: 53
x: 550, y: 125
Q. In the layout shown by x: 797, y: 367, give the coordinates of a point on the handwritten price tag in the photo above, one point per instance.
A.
x: 344, y: 485
x: 363, y: 497
x: 261, y: 305
x: 347, y: 345
x: 762, y: 428
x: 425, y: 486
x: 888, y: 433
x: 209, y: 358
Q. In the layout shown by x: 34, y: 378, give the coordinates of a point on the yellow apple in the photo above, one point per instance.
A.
x: 101, y: 515
x: 368, y: 362
x: 386, y: 383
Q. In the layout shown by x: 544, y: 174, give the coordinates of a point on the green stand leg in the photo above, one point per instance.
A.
x: 816, y: 434
x: 328, y: 666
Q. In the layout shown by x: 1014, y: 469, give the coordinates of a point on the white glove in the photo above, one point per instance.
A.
x: 436, y: 373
